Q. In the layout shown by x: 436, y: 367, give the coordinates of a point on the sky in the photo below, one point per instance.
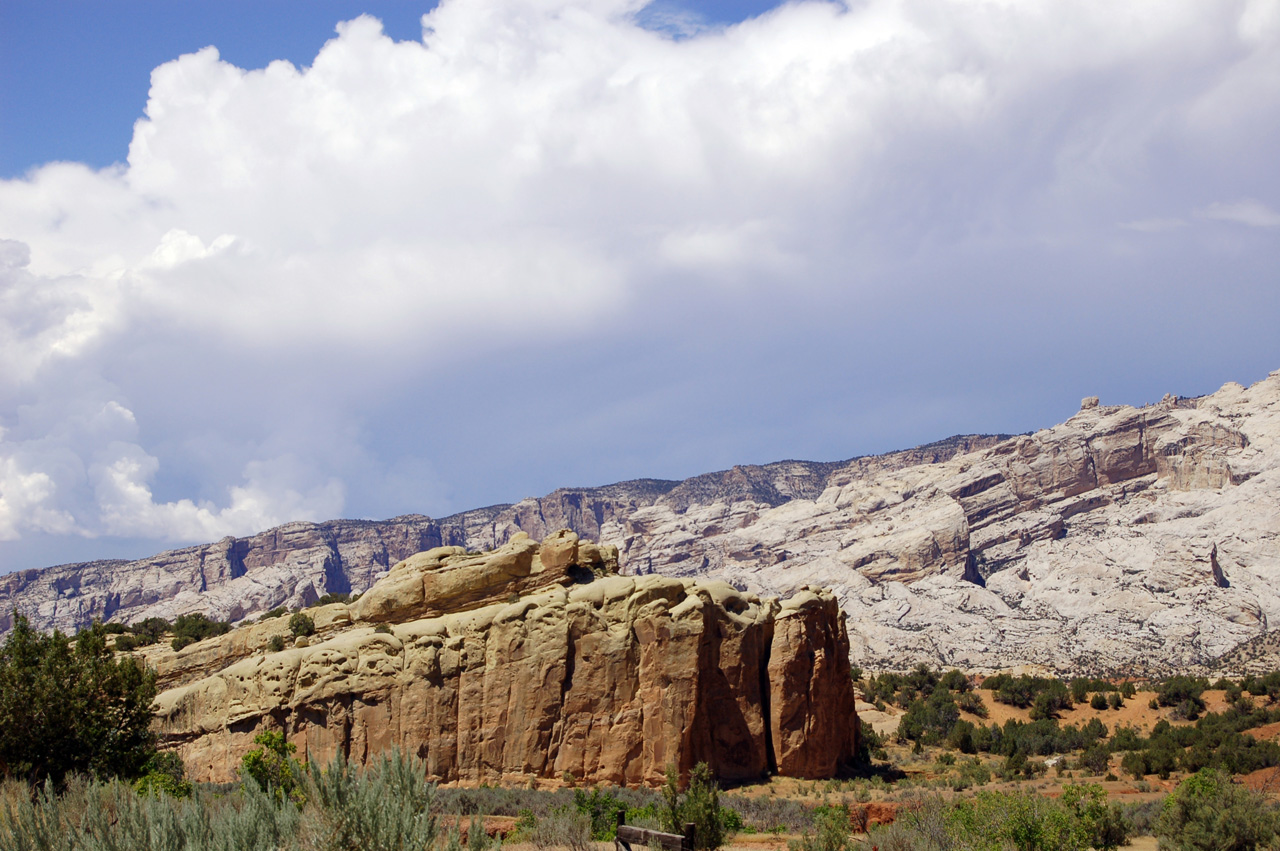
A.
x: 270, y: 261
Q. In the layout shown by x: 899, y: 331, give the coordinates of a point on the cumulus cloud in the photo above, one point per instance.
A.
x: 201, y: 340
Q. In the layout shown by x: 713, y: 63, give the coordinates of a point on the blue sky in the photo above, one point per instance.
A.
x: 76, y: 74
x: 569, y: 242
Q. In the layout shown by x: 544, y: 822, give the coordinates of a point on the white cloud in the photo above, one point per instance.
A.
x: 285, y: 244
x: 1246, y: 211
x: 128, y: 508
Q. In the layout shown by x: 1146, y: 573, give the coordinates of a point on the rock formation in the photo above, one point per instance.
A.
x: 1122, y: 540
x: 532, y: 662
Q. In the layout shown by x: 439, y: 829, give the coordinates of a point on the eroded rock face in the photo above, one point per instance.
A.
x: 1136, y: 540
x: 1124, y: 540
x: 609, y: 679
x: 291, y: 565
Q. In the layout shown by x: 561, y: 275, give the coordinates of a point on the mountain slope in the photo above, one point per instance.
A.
x: 1124, y: 540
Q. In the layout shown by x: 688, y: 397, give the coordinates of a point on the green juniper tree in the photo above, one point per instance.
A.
x: 71, y: 706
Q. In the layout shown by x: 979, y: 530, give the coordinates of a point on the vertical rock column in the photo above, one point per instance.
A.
x: 813, y: 722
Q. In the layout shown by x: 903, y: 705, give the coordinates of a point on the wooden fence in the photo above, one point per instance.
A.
x: 628, y: 836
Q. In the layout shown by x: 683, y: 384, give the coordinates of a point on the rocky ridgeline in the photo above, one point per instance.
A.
x: 298, y: 563
x: 529, y: 663
x: 1125, y: 540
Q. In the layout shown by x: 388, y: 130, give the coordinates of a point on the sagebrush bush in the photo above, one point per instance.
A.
x: 563, y: 828
x: 110, y: 816
x: 991, y: 821
x: 386, y: 807
x: 832, y: 831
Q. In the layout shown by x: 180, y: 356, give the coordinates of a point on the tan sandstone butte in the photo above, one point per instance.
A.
x: 531, y: 662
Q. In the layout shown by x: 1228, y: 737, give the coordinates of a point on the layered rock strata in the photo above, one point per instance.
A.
x: 1124, y: 540
x: 607, y: 678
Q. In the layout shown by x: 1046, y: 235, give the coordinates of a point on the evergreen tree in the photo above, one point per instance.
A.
x: 71, y: 706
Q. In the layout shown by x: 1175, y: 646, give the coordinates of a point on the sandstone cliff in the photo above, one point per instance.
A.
x: 527, y: 663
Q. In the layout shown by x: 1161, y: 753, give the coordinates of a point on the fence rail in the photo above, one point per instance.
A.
x: 628, y: 836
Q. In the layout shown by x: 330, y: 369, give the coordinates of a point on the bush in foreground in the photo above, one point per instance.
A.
x: 832, y: 831
x: 1207, y: 812
x: 994, y: 821
x: 388, y: 807
x: 72, y: 707
x: 271, y: 767
x: 698, y: 804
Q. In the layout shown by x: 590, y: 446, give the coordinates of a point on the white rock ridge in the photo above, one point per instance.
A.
x: 1125, y: 540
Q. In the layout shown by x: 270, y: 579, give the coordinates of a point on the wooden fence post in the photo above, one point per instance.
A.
x: 690, y: 833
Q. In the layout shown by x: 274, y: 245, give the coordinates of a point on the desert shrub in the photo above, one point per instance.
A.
x: 698, y: 803
x: 1183, y: 693
x: 955, y: 680
x: 272, y: 768
x: 970, y: 702
x: 1078, y: 820
x: 1095, y: 759
x: 188, y: 629
x: 1142, y: 816
x: 1114, y: 700
x: 1050, y: 700
x: 277, y: 612
x: 150, y: 631
x: 522, y: 832
x: 1098, y: 702
x: 1266, y: 686
x: 974, y: 772
x: 66, y: 708
x: 769, y: 813
x: 961, y: 737
x: 276, y: 643
x: 164, y: 774
x: 128, y: 643
x: 563, y: 828
x: 922, y: 679
x: 1127, y: 739
x: 930, y: 719
x: 1134, y: 763
x: 601, y: 809
x: 883, y: 688
x: 832, y: 831
x: 382, y: 629
x: 1022, y: 690
x: 870, y: 744
x: 301, y: 624
x: 388, y: 806
x: 1207, y: 812
x: 110, y: 816
x: 1042, y: 737
x: 328, y: 599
